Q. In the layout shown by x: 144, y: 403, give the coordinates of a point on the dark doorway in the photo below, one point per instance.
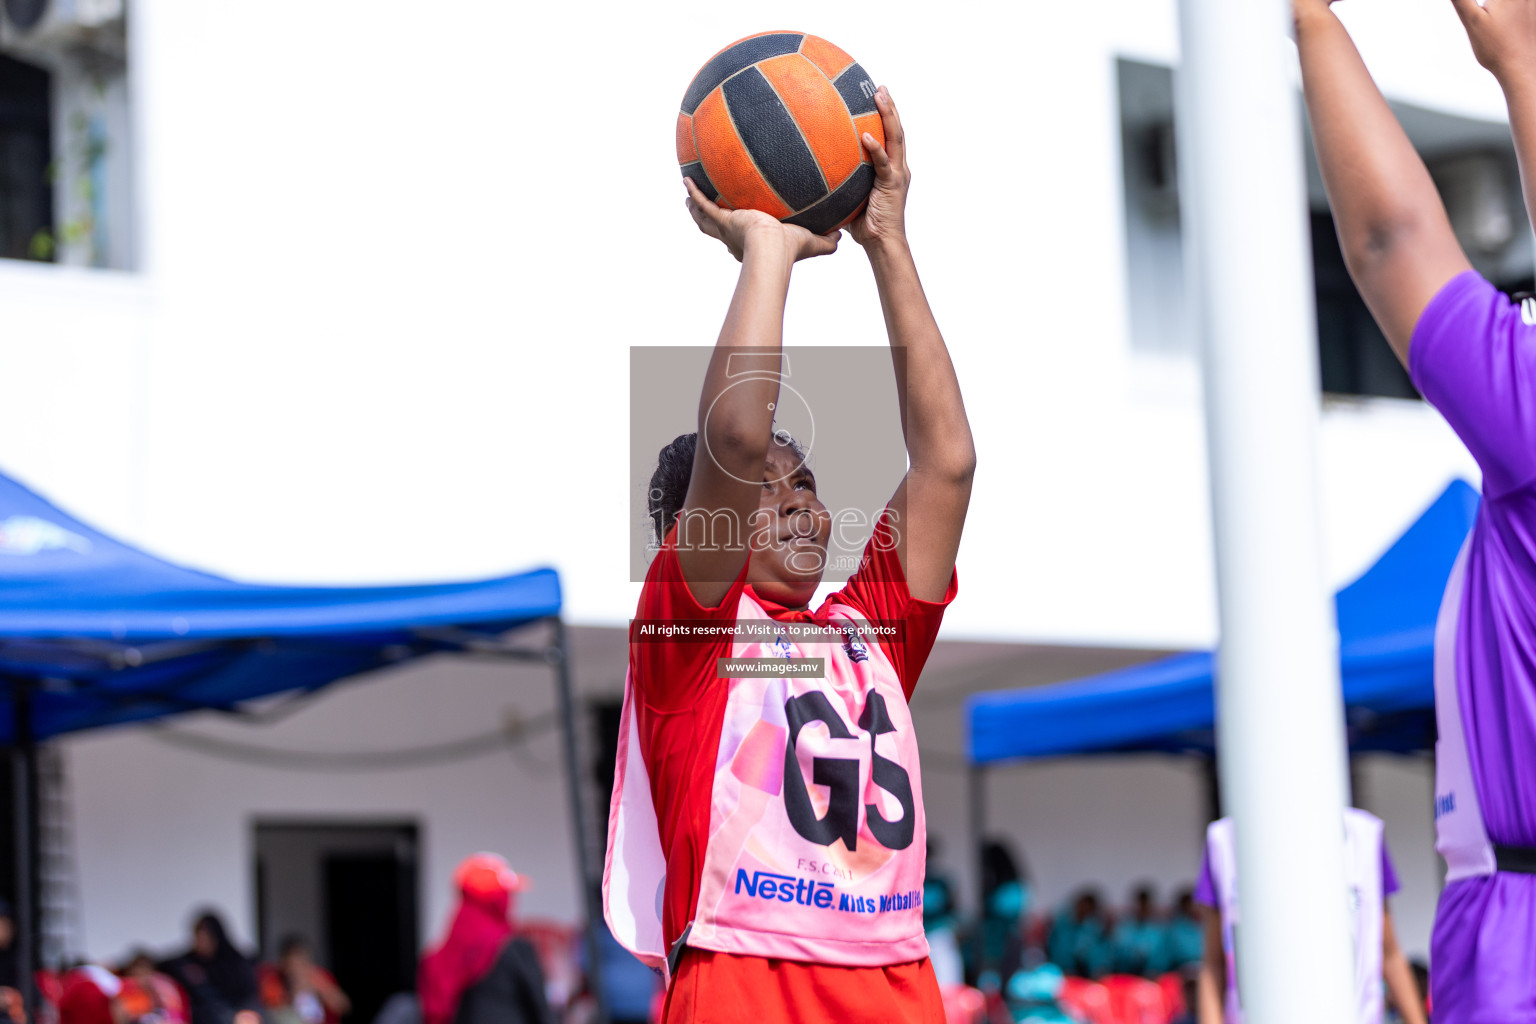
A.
x: 372, y: 937
x: 350, y: 890
x: 26, y: 152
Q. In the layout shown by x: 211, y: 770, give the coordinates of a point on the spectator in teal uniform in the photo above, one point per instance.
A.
x: 1141, y: 937
x: 1031, y: 996
x: 1080, y: 942
x: 939, y: 922
x: 1186, y: 937
x: 995, y: 947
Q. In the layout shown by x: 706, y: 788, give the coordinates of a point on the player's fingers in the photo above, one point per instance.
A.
x: 895, y: 137
x: 824, y: 245
x: 702, y: 220
x: 709, y: 217
x: 708, y: 208
x: 1468, y: 10
x: 877, y: 156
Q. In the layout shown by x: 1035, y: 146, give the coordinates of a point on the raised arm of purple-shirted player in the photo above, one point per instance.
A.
x: 1503, y: 35
x: 1393, y: 229
x: 936, y: 492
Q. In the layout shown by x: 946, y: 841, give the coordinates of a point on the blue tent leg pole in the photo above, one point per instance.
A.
x: 23, y: 788
x: 591, y: 901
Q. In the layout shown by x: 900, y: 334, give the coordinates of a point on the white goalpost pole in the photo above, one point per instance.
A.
x: 1279, y: 709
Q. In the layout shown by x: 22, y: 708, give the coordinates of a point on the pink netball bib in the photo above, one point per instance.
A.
x: 817, y: 835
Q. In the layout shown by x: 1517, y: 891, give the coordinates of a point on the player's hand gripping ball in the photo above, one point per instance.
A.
x: 773, y: 123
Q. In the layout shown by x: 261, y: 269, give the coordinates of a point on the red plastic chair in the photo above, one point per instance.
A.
x: 963, y: 1005
x: 1172, y: 985
x: 1086, y: 1000
x: 556, y: 945
x: 1134, y: 1000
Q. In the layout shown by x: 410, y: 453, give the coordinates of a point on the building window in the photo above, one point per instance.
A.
x: 1352, y: 353
x: 1473, y: 165
x: 26, y: 149
x: 65, y: 153
x: 1153, y: 242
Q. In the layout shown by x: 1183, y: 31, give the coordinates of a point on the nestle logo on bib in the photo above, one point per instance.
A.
x: 766, y: 886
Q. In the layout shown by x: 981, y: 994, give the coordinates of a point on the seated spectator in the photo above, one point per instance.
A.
x: 220, y: 981
x: 943, y: 933
x: 1080, y: 942
x: 11, y: 1006
x: 149, y: 997
x: 1031, y: 995
x: 629, y: 985
x: 296, y: 990
x: 89, y: 995
x: 940, y: 923
x: 1141, y: 937
x: 1186, y: 934
x: 1189, y: 1012
x: 482, y: 973
x: 996, y: 945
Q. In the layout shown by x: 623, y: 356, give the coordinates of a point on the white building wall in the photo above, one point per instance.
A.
x: 161, y: 831
x: 393, y: 258
x: 386, y: 251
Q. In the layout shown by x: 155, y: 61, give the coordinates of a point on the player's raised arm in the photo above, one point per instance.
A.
x: 1211, y: 984
x: 1402, y: 990
x: 1503, y: 35
x: 736, y: 423
x: 1393, y: 229
x: 936, y: 491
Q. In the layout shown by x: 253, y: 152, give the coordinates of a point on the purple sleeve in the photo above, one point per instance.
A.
x: 1389, y: 883
x: 1205, y: 888
x: 1474, y: 359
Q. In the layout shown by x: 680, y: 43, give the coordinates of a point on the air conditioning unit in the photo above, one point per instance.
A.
x: 50, y: 24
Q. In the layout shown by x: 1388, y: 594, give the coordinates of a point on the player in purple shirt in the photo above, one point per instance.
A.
x: 1472, y: 355
x: 1378, y: 957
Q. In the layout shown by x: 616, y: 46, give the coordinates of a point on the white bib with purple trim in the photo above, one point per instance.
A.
x: 1362, y: 870
x: 1460, y: 835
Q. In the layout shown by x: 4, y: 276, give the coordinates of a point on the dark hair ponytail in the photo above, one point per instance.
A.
x: 669, y: 484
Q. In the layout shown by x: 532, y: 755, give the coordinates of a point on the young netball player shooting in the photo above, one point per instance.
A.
x: 789, y: 808
x: 1474, y: 359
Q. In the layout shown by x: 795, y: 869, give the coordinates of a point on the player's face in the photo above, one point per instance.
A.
x: 789, y: 535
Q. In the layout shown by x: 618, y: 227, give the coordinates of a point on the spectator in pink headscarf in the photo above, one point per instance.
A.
x: 482, y: 973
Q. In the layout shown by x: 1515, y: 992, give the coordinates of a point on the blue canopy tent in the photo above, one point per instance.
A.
x: 94, y: 632
x: 1386, y: 652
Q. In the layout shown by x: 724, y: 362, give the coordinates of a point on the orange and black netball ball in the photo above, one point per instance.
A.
x: 772, y: 122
